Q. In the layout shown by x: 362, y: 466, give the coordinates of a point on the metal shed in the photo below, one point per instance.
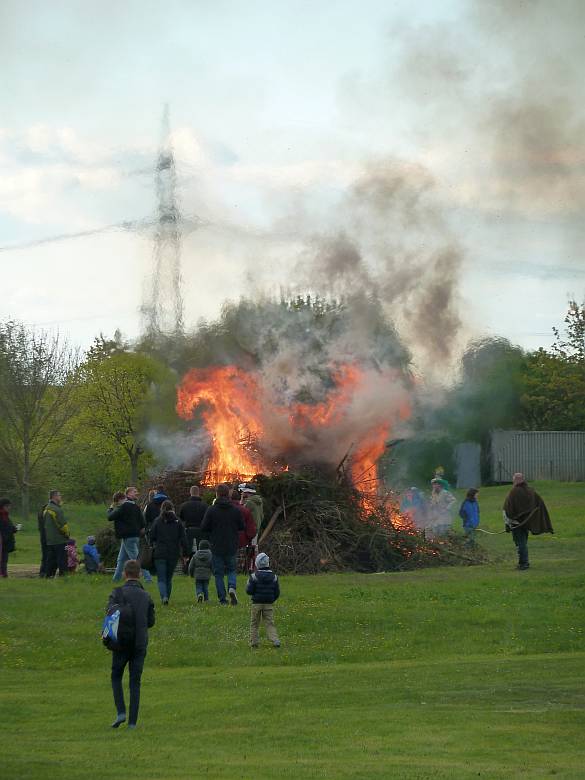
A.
x: 558, y: 455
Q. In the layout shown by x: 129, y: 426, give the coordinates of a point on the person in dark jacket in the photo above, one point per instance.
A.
x: 524, y: 511
x: 152, y: 510
x: 223, y: 521
x: 168, y: 538
x: 143, y: 609
x: 200, y: 568
x: 469, y: 513
x: 7, y: 531
x: 192, y: 512
x: 128, y: 526
x: 56, y: 534
x: 264, y: 588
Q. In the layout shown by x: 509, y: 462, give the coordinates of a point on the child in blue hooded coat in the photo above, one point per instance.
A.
x: 469, y: 513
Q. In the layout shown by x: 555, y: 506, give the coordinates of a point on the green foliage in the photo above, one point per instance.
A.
x: 122, y: 395
x: 553, y: 393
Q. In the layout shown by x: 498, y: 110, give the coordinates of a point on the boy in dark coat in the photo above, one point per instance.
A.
x: 200, y: 568
x: 264, y: 588
x: 134, y: 655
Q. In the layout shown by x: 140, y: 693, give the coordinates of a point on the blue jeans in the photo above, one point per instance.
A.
x: 129, y: 550
x: 224, y: 565
x: 202, y: 586
x: 164, y: 575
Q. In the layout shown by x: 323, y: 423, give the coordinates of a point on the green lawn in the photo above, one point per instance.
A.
x: 446, y: 672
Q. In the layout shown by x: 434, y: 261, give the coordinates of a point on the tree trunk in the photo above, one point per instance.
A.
x: 25, y: 483
x: 134, y: 458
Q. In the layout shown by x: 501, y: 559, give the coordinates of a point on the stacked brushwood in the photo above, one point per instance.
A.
x: 315, y: 524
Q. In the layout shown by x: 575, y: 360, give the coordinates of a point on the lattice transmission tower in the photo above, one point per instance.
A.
x: 162, y: 310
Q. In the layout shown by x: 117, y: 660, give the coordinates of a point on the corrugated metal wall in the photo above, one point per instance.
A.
x: 556, y: 455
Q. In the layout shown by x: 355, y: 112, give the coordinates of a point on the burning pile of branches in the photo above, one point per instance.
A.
x: 313, y: 524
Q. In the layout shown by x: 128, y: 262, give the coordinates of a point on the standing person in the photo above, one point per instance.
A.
x: 133, y: 655
x: 264, y: 588
x: 469, y: 513
x: 200, y: 569
x: 128, y: 526
x: 247, y: 535
x: 153, y: 507
x: 252, y: 501
x: 440, y: 506
x: 7, y: 531
x: 524, y: 511
x: 91, y: 557
x: 223, y: 521
x: 168, y: 538
x: 192, y: 512
x: 43, y: 540
x: 56, y: 534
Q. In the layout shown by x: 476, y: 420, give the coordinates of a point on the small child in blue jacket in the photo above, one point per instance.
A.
x: 469, y: 513
x: 264, y: 588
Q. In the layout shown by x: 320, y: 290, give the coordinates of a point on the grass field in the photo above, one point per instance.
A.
x: 446, y: 672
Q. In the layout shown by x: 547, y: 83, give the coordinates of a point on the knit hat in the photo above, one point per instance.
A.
x: 91, y: 539
x: 204, y: 544
x: 262, y: 561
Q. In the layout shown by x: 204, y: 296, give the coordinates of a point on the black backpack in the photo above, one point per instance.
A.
x: 119, y: 626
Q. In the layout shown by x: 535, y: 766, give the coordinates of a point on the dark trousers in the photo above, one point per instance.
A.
x: 202, y: 586
x: 56, y: 559
x: 44, y: 556
x: 135, y: 660
x: 520, y: 536
x: 224, y: 565
x: 4, y: 561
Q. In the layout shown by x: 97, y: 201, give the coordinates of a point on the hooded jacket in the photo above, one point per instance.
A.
x: 168, y: 537
x: 152, y: 510
x: 143, y: 608
x: 200, y: 564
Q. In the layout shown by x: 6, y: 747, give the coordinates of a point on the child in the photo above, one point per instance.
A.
x: 91, y: 556
x: 200, y: 568
x: 469, y: 513
x: 264, y: 588
x: 72, y: 559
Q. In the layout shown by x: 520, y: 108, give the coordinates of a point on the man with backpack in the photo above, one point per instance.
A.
x: 136, y: 617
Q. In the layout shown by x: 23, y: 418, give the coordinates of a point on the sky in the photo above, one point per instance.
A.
x: 277, y: 110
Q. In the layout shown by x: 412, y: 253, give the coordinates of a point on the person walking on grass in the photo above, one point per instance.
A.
x: 223, y: 522
x: 56, y: 534
x: 264, y: 588
x: 524, y: 511
x: 191, y: 513
x: 7, y: 531
x: 134, y: 654
x: 469, y: 513
x: 43, y: 541
x: 128, y: 526
x: 200, y: 569
x: 167, y: 536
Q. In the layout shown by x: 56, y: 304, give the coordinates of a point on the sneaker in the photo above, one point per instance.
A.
x: 199, y: 598
x: 254, y: 647
x: 165, y: 601
x: 276, y: 644
x: 233, y: 597
x: 120, y: 718
x: 223, y: 603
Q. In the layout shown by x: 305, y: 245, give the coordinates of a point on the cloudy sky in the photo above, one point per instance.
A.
x: 276, y: 110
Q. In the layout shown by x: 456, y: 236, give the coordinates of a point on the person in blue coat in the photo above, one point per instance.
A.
x: 469, y: 513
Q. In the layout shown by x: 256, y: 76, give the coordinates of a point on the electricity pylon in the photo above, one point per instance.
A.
x: 162, y: 310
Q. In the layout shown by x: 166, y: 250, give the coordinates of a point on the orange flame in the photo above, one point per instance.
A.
x: 240, y: 416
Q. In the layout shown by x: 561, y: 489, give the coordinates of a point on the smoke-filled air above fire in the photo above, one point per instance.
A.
x: 255, y: 428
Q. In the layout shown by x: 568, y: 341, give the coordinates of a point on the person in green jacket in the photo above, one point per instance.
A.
x: 56, y: 533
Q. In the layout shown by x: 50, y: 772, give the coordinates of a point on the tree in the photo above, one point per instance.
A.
x: 572, y: 346
x: 120, y: 392
x: 38, y: 377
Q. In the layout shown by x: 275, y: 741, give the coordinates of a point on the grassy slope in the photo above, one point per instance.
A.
x: 447, y: 672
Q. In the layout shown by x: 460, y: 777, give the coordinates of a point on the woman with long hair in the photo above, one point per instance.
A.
x: 167, y: 536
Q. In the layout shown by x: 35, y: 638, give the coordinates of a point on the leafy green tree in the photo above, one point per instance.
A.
x: 121, y: 392
x: 38, y: 380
